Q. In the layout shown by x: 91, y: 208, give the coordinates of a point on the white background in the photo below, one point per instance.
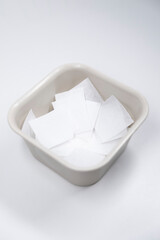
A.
x: 121, y: 39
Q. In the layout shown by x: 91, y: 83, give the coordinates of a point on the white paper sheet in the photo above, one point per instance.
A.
x: 102, y: 148
x: 119, y: 135
x: 26, y: 128
x: 64, y: 149
x: 74, y: 102
x: 81, y: 131
x: 68, y: 147
x: 92, y: 145
x: 86, y: 136
x: 112, y: 120
x: 93, y: 110
x: 53, y: 128
x: 84, y: 158
x: 90, y: 92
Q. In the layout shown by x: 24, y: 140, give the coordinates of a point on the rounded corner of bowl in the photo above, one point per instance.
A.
x: 11, y: 119
x: 145, y: 107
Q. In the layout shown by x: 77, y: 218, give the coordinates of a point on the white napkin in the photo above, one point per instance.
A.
x: 74, y: 103
x: 91, y: 144
x: 90, y: 92
x: 82, y: 129
x: 26, y: 128
x: 93, y: 110
x: 92, y: 114
x: 52, y: 128
x: 84, y: 158
x: 112, y: 120
x: 103, y: 148
x: 64, y: 149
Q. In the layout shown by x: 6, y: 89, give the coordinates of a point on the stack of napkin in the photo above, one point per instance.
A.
x: 82, y: 129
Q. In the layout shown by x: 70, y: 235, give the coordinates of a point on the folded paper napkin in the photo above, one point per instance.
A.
x: 83, y: 128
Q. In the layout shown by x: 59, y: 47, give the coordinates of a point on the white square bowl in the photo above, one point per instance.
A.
x: 39, y: 99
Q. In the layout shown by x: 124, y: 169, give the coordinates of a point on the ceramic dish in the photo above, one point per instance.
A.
x: 39, y: 99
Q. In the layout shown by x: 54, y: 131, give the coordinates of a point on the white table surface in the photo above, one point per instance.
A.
x: 120, y: 39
